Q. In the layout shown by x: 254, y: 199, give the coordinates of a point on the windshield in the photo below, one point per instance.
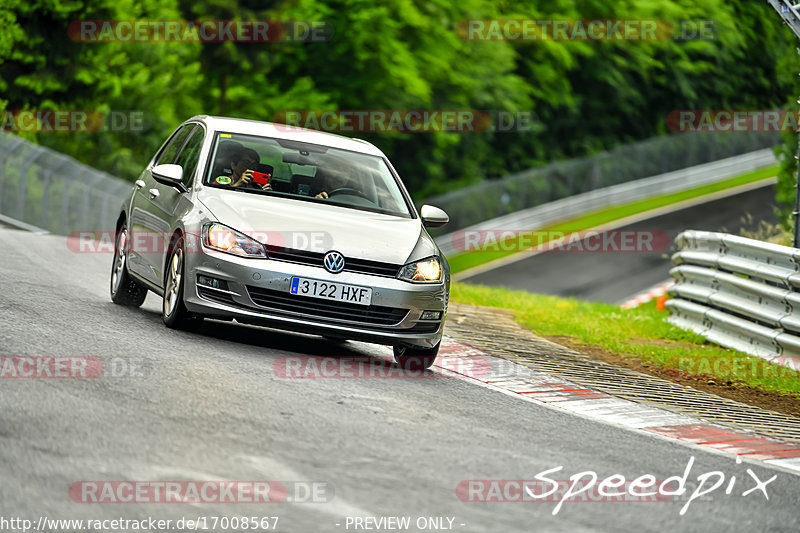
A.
x: 302, y: 171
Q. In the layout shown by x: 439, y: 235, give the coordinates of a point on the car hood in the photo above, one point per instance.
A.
x: 317, y: 227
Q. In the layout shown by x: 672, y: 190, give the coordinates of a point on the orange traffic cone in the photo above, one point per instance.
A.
x: 661, y: 301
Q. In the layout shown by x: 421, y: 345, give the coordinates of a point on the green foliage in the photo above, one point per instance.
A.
x: 399, y: 54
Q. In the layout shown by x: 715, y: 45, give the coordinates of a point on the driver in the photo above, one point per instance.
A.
x: 332, y: 179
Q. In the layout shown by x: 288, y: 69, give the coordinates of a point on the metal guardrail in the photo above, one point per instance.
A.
x: 567, y: 208
x: 45, y: 189
x: 741, y: 293
x: 529, y: 188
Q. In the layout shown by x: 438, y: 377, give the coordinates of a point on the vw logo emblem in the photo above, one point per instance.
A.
x: 333, y: 262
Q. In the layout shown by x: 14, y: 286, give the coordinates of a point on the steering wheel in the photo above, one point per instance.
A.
x: 349, y: 190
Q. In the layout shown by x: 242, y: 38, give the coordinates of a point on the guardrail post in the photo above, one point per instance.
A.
x: 48, y: 176
x: 89, y: 187
x: 23, y: 187
x: 3, y: 155
x: 796, y: 212
x: 69, y: 183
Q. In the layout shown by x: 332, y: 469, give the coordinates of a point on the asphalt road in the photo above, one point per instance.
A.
x: 209, y: 406
x: 610, y: 276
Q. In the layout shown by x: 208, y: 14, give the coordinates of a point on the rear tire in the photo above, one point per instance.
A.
x: 124, y: 290
x: 415, y: 358
x: 173, y: 310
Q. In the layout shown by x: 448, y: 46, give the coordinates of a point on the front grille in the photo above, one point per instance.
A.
x: 362, y: 266
x: 375, y: 315
x: 295, y: 256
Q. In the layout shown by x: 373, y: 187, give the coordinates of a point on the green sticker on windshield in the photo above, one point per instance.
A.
x: 224, y: 180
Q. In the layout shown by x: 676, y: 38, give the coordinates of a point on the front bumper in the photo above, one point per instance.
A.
x: 258, y: 293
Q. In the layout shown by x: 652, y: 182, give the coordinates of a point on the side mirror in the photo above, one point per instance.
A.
x: 433, y: 217
x: 168, y: 174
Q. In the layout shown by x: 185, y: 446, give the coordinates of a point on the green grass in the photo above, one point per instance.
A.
x: 640, y: 334
x: 465, y: 260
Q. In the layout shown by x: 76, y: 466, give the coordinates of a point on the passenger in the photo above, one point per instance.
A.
x: 242, y: 164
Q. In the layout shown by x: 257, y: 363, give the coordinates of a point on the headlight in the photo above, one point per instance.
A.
x: 224, y: 239
x: 423, y: 271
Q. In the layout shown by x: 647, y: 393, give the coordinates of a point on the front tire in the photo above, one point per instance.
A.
x: 124, y: 290
x: 173, y: 310
x: 415, y: 358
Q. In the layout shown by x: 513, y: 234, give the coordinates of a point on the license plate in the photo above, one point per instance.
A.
x: 327, y: 290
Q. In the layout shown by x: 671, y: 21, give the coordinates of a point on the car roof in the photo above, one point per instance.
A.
x: 282, y: 131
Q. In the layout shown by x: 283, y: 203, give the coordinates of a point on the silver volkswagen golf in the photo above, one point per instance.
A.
x: 283, y: 227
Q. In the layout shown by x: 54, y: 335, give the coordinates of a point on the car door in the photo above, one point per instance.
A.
x: 155, y: 205
x: 174, y: 204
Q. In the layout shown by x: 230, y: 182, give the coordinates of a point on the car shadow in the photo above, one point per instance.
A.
x: 308, y: 353
x: 277, y: 339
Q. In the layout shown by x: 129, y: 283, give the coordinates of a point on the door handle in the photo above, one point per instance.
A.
x: 154, y: 193
x: 139, y: 184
